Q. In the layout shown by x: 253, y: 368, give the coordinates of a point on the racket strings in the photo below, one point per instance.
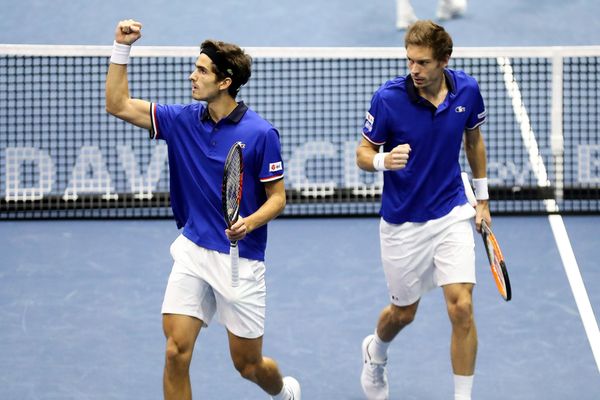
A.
x: 233, y: 187
x: 495, y: 261
x: 490, y: 250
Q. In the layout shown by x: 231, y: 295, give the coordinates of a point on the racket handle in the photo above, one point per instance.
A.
x: 235, y: 268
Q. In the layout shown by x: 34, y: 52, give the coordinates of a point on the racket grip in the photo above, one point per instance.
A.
x: 235, y: 268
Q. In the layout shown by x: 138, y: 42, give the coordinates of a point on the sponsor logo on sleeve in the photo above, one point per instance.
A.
x: 276, y: 166
x: 369, y: 120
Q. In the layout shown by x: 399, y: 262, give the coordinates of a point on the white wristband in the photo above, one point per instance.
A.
x: 120, y: 53
x: 379, y: 162
x: 481, y: 188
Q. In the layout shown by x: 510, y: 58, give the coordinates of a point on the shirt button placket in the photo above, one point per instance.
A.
x: 213, y: 141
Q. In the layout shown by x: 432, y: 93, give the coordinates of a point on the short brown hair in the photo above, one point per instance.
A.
x: 228, y: 61
x: 429, y: 34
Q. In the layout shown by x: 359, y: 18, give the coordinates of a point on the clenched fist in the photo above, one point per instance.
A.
x: 398, y: 157
x: 128, y: 31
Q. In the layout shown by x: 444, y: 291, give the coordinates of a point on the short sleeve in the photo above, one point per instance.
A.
x: 478, y: 114
x: 271, y: 162
x: 374, y: 128
x: 162, y: 117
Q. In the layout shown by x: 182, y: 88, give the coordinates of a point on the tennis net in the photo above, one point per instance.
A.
x: 63, y: 156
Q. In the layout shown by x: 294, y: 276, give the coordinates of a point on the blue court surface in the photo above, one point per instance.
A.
x: 80, y: 310
x: 80, y: 300
x: 296, y: 23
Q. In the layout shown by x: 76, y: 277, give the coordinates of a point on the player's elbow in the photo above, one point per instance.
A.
x: 116, y: 109
x: 276, y: 196
x: 469, y: 148
x: 360, y: 160
x: 281, y: 203
x: 109, y: 110
x: 112, y: 108
x: 116, y: 102
x: 473, y: 139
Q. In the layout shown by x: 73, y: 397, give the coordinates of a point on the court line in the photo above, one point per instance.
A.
x: 527, y: 134
x: 557, y: 225
x: 577, y: 286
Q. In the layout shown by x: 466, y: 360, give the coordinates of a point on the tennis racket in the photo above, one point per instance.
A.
x: 492, y: 248
x: 231, y: 196
x: 497, y: 264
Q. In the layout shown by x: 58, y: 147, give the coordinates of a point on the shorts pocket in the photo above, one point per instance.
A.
x: 251, y: 270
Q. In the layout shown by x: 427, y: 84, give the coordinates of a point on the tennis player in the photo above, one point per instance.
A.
x: 425, y: 231
x: 199, y: 137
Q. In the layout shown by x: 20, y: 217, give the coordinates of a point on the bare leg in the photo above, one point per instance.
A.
x: 463, y: 345
x: 248, y: 360
x: 181, y: 332
x: 393, y: 319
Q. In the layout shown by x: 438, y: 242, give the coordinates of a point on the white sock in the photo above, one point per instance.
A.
x: 284, y: 394
x: 378, y: 348
x: 462, y: 387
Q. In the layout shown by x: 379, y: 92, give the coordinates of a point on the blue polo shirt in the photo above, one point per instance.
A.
x: 430, y: 186
x: 197, y: 148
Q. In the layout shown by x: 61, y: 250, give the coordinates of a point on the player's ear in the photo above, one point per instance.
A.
x: 225, y: 83
x: 444, y: 61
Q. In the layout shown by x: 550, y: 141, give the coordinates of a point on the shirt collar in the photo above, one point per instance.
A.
x: 414, y: 95
x: 234, y: 117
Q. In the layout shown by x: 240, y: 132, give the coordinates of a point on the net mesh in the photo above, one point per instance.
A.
x: 63, y: 156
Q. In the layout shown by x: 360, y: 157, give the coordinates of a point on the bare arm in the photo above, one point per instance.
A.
x: 394, y: 160
x: 268, y: 211
x: 364, y: 155
x: 475, y: 151
x: 476, y: 156
x: 118, y: 101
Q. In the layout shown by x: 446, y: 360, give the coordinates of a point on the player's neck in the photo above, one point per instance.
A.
x: 436, y: 92
x: 221, y: 107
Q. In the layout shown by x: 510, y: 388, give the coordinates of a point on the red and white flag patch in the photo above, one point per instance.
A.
x: 276, y: 166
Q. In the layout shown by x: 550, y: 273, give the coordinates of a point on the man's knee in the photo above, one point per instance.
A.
x: 402, y: 316
x: 177, y: 355
x: 246, y: 368
x: 461, y: 312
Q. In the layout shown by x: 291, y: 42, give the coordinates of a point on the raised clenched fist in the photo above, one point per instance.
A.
x: 128, y: 31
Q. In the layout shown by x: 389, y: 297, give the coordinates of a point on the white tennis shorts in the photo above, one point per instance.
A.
x: 418, y: 257
x: 200, y: 286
